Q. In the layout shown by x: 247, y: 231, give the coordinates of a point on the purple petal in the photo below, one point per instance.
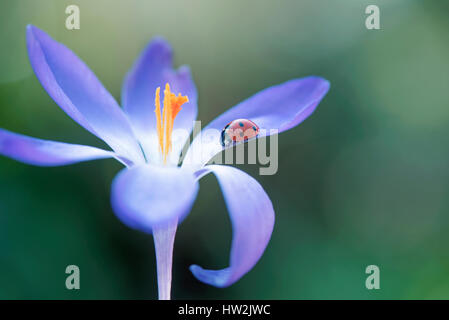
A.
x: 146, y: 197
x: 252, y: 217
x: 46, y: 153
x: 280, y: 107
x: 75, y: 88
x: 153, y: 69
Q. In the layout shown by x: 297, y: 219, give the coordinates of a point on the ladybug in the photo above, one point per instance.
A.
x: 237, y: 131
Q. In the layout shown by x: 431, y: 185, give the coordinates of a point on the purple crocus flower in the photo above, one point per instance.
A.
x: 152, y: 193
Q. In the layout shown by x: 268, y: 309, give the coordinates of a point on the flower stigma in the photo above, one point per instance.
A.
x: 165, y: 118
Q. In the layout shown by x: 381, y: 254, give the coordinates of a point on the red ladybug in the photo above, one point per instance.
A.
x: 237, y: 131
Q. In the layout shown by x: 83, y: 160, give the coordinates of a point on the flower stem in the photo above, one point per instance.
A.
x: 164, y: 238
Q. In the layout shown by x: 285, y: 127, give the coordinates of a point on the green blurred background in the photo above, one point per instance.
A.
x: 363, y: 181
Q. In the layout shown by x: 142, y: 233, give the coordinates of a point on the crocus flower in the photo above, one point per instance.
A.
x: 153, y: 193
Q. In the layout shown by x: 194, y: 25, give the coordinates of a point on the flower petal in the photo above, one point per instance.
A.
x: 76, y: 89
x: 145, y: 197
x: 252, y: 217
x: 46, y: 153
x: 153, y: 69
x: 280, y: 107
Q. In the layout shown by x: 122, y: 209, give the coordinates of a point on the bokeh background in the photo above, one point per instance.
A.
x: 363, y: 181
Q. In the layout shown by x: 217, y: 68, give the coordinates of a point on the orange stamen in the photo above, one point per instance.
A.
x: 164, y: 126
